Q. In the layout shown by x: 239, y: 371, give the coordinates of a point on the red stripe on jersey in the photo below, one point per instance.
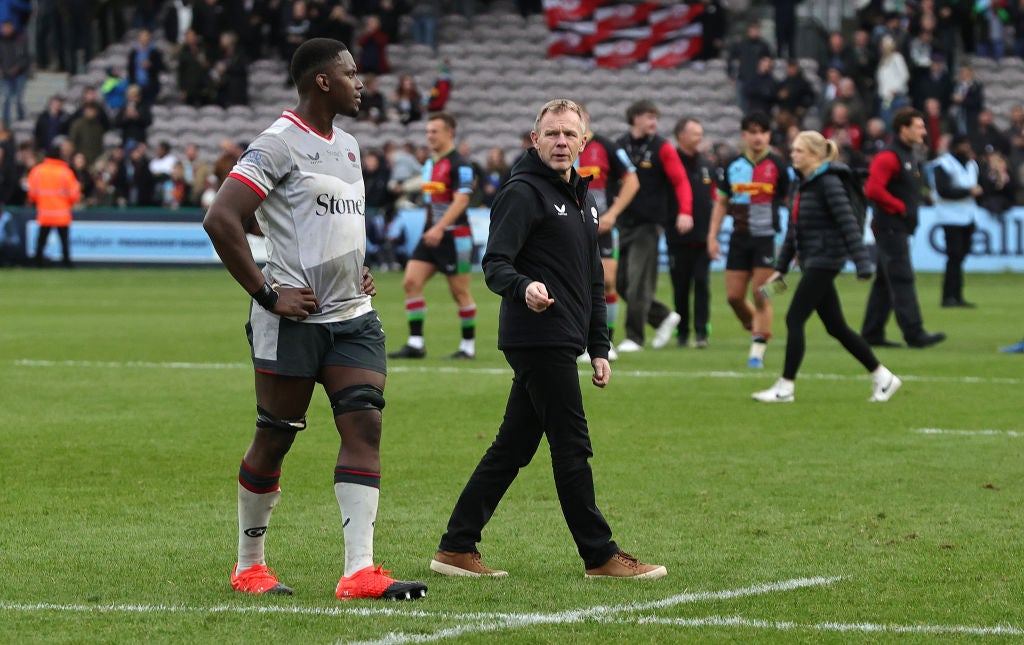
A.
x: 305, y: 127
x: 294, y: 118
x: 248, y: 182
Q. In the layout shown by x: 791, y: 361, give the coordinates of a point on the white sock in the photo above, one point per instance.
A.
x: 468, y: 345
x: 881, y: 374
x: 757, y: 349
x: 254, y: 511
x: 358, y: 504
x: 785, y: 385
x: 415, y: 342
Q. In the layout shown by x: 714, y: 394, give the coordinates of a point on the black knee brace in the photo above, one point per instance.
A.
x: 357, y: 397
x: 266, y: 420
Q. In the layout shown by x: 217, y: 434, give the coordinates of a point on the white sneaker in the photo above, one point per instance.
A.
x: 584, y: 358
x: 612, y: 354
x: 629, y: 346
x: 781, y: 392
x: 882, y: 389
x: 665, y: 329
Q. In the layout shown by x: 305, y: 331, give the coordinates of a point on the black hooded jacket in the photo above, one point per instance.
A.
x: 545, y: 229
x: 823, y: 231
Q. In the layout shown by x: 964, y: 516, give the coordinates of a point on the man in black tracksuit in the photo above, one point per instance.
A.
x: 688, y: 259
x: 542, y: 258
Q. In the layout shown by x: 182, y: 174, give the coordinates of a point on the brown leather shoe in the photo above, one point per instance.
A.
x: 450, y: 563
x: 623, y: 565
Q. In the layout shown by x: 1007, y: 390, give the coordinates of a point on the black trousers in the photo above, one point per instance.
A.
x: 545, y: 401
x: 817, y: 293
x: 688, y: 266
x: 958, y: 246
x: 65, y: 243
x: 893, y: 290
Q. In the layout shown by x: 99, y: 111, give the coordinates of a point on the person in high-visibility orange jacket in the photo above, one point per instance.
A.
x: 53, y: 188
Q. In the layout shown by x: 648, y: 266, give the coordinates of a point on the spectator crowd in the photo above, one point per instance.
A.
x: 920, y: 57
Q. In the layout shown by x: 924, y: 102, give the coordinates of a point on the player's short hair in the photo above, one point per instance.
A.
x: 758, y: 118
x: 643, y: 106
x: 557, y: 106
x: 904, y: 117
x: 446, y: 117
x: 682, y: 123
x: 313, y: 56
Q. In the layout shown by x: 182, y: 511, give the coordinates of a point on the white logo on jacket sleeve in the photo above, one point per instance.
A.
x: 593, y: 213
x: 560, y: 209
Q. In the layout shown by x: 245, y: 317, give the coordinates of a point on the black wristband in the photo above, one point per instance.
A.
x: 266, y: 297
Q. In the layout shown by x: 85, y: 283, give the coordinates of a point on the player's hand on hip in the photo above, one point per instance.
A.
x: 602, y: 372
x: 296, y: 303
x: 367, y: 288
x: 537, y: 297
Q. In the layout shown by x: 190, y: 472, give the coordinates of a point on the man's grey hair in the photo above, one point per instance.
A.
x: 558, y: 106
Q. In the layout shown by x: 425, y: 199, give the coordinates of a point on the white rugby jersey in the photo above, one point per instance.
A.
x: 313, y: 212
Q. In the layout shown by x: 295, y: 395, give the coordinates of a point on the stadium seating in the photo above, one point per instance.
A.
x: 500, y: 75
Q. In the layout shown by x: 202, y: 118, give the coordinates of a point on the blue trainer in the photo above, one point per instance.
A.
x: 755, y: 363
x: 1013, y: 349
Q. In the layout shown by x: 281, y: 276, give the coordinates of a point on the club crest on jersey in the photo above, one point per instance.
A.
x: 593, y: 213
x: 560, y: 209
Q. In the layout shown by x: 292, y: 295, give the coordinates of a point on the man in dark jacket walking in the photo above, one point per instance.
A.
x: 664, y: 200
x: 542, y: 258
x: 894, y: 186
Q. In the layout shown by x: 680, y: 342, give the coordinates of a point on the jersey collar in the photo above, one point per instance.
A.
x: 305, y: 127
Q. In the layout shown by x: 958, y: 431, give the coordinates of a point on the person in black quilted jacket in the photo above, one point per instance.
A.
x: 823, y: 233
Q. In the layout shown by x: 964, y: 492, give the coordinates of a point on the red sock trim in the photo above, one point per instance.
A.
x: 258, y: 483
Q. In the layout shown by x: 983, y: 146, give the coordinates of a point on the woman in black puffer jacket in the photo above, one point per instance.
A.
x: 823, y: 232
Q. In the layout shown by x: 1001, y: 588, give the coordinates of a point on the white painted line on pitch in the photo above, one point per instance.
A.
x: 971, y: 433
x: 785, y: 585
x: 867, y: 628
x: 494, y: 371
x: 489, y: 622
x: 518, y: 621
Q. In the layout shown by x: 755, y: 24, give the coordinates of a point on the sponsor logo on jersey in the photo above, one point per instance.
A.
x: 253, y: 157
x: 327, y: 204
x: 753, y: 188
x: 560, y: 209
x: 434, y: 187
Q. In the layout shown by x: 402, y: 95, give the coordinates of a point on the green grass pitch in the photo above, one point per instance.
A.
x: 126, y: 401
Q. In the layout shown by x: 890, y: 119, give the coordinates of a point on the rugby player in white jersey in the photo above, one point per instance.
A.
x: 311, y: 319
